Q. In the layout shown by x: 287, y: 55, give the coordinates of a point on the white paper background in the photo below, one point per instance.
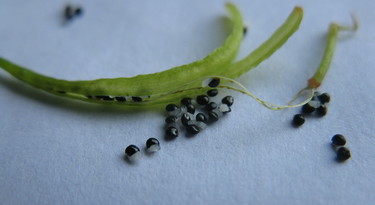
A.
x: 59, y: 151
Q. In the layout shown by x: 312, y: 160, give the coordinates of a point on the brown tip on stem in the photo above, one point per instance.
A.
x: 298, y: 8
x: 312, y: 83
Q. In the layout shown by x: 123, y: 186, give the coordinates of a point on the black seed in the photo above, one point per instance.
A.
x: 298, y: 120
x: 338, y: 140
x: 137, y: 99
x: 78, y: 11
x: 214, y: 82
x: 307, y: 108
x: 131, y: 149
x: 190, y: 108
x: 121, y: 99
x: 324, y: 98
x: 89, y: 96
x: 193, y: 129
x: 202, y: 99
x: 244, y: 30
x: 322, y: 110
x: 171, y: 107
x: 68, y: 12
x: 171, y: 132
x: 171, y: 119
x: 210, y: 106
x: 104, y: 97
x: 343, y: 153
x: 213, y: 116
x: 228, y: 100
x: 212, y: 93
x: 186, y: 101
x: 201, y: 117
x: 185, y: 118
x: 151, y: 141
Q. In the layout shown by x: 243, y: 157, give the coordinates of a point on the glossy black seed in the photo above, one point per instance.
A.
x: 120, y: 99
x: 322, y: 110
x: 186, y: 101
x: 171, y: 107
x: 214, y: 82
x: 202, y: 99
x: 228, y: 100
x: 213, y: 116
x: 338, y: 140
x: 151, y: 141
x: 193, y: 129
x: 298, y: 120
x: 171, y: 119
x: 307, y: 108
x: 137, y: 99
x: 171, y: 132
x: 324, y: 98
x: 190, y: 108
x: 201, y: 117
x: 131, y: 150
x: 212, y: 93
x: 343, y: 153
x: 152, y: 145
x: 185, y: 118
x: 210, y: 106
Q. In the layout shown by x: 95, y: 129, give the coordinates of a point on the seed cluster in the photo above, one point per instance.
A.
x: 317, y: 104
x: 71, y: 12
x: 338, y: 142
x: 133, y: 153
x: 187, y: 117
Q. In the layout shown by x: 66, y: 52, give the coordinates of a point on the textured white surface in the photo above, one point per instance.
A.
x: 58, y: 151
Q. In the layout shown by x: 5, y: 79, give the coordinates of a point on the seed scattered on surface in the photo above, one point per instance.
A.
x: 132, y: 152
x: 78, y: 11
x: 338, y: 140
x: 185, y: 118
x: 343, y: 153
x: 324, y: 98
x: 212, y: 93
x: 210, y: 106
x: 190, y: 108
x: 322, y: 110
x: 307, y: 108
x: 186, y: 101
x: 201, y: 117
x: 171, y: 119
x: 298, y: 120
x: 214, y: 82
x: 193, y: 129
x: 228, y: 100
x: 202, y: 99
x: 152, y: 145
x: 244, y: 30
x: 171, y: 107
x: 70, y: 12
x: 171, y: 132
